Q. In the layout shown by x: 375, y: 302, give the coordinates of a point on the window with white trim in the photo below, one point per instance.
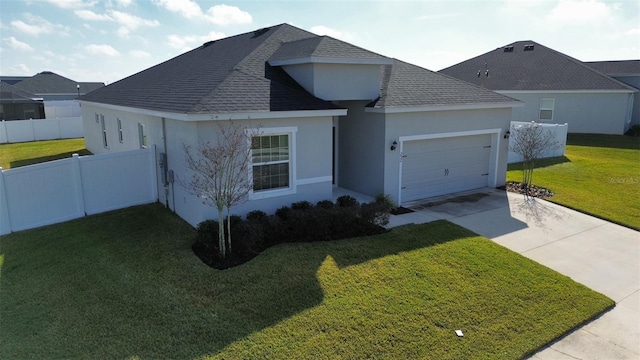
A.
x: 120, y: 134
x: 271, y: 162
x: 546, y: 109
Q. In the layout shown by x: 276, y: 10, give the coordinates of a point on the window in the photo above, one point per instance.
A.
x: 270, y: 162
x: 143, y: 136
x: 29, y: 111
x: 104, y: 132
x: 546, y: 109
x: 120, y: 135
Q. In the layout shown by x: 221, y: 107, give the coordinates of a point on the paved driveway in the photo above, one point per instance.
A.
x: 594, y: 252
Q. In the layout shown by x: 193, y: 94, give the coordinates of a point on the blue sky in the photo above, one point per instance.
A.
x: 107, y: 40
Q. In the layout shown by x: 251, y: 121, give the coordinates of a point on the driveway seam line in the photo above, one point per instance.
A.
x: 563, y: 238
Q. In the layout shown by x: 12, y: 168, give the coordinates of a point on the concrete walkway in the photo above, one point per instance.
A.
x: 601, y: 255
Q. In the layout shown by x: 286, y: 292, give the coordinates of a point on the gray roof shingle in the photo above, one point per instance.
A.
x: 12, y: 94
x: 514, y: 67
x: 48, y: 82
x: 233, y: 75
x: 618, y: 67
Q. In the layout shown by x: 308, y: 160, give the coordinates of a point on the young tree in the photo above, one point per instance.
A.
x: 530, y: 141
x: 220, y: 174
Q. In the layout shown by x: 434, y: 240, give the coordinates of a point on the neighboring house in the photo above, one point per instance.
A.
x: 17, y: 104
x: 337, y: 116
x: 555, y: 88
x: 626, y: 71
x: 58, y: 92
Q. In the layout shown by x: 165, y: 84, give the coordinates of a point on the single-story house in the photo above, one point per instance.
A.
x: 341, y: 116
x: 17, y: 104
x: 58, y: 92
x: 554, y: 87
x: 626, y: 71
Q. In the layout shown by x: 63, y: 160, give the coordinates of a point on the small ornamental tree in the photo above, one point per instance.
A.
x: 220, y: 174
x: 530, y: 141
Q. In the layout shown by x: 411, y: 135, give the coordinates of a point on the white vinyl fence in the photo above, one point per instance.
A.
x: 560, y: 132
x: 61, y: 190
x: 40, y: 129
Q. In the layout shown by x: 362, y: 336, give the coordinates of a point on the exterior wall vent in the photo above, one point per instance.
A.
x: 508, y: 48
x: 528, y: 47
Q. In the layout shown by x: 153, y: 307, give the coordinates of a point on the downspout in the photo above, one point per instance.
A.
x: 165, y: 164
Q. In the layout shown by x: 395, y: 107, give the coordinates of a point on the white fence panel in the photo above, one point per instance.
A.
x: 41, y: 194
x: 62, y: 190
x: 115, y: 181
x: 560, y: 133
x: 40, y: 129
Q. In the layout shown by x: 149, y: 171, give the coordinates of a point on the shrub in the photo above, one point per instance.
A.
x: 325, y: 204
x: 302, y: 205
x: 634, y: 131
x: 283, y: 212
x: 257, y: 215
x: 346, y: 201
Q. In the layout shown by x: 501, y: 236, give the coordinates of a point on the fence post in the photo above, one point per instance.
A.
x: 77, y: 184
x: 5, y: 219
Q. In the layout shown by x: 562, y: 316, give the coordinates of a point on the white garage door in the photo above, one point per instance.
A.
x: 442, y: 166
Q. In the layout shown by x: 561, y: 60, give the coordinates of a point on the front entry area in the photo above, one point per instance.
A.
x: 445, y: 165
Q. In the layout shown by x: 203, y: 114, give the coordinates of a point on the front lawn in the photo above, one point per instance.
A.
x: 599, y: 175
x: 126, y: 284
x: 20, y: 154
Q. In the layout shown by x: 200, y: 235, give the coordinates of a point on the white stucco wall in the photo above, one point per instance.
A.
x: 585, y: 112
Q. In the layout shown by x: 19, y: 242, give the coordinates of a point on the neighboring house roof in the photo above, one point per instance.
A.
x: 242, y: 74
x: 12, y: 80
x: 527, y: 65
x: 407, y: 85
x: 12, y: 94
x: 618, y: 67
x: 49, y: 83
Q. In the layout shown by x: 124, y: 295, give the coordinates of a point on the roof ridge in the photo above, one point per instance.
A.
x: 582, y: 64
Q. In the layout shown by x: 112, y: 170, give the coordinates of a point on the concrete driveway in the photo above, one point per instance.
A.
x: 601, y: 255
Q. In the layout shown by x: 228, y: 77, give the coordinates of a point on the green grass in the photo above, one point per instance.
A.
x: 126, y: 284
x: 599, y: 175
x: 28, y: 153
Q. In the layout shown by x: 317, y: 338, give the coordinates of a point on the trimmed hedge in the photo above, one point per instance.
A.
x: 300, y: 222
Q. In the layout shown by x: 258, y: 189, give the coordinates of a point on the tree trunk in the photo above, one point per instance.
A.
x: 222, y: 246
x: 229, y: 229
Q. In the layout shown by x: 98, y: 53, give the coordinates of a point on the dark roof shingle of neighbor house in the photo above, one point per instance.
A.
x: 48, y: 82
x: 12, y: 94
x: 527, y: 65
x: 233, y: 75
x: 616, y: 67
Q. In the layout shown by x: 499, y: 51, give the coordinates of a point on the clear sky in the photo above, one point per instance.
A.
x: 107, y: 40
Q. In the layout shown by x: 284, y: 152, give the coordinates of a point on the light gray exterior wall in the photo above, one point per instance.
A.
x: 312, y: 161
x: 362, y: 147
x: 443, y: 122
x: 632, y: 80
x: 585, y: 112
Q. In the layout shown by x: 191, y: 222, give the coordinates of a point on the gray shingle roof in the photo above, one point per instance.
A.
x: 48, y: 82
x: 621, y: 67
x: 512, y: 67
x: 226, y: 75
x: 12, y: 94
x: 407, y: 85
x: 322, y: 47
x: 233, y: 75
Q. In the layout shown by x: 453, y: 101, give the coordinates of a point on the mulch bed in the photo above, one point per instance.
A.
x: 400, y: 210
x: 534, y: 191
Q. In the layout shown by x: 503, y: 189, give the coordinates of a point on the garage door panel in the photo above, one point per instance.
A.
x: 441, y: 166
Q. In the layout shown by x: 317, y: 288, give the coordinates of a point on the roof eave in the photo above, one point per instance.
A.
x: 411, y: 109
x: 245, y: 115
x: 323, y: 60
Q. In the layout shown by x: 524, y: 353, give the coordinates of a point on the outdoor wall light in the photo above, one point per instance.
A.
x: 507, y: 134
x: 394, y: 145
